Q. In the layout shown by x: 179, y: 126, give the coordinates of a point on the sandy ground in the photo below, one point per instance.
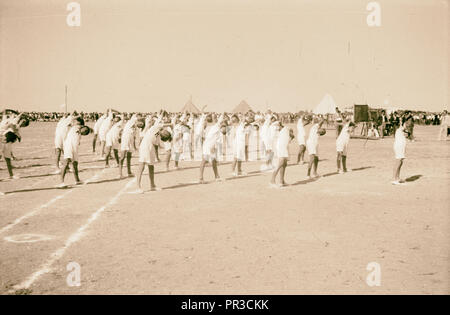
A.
x: 235, y: 237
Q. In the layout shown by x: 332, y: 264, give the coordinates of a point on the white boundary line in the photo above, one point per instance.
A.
x: 28, y: 238
x: 75, y: 237
x: 49, y: 203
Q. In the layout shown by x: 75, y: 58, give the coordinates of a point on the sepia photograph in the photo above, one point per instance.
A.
x: 224, y: 152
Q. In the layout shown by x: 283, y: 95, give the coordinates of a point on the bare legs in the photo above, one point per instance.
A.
x: 123, y: 155
x: 75, y: 170
x: 281, y: 168
x: 341, y: 159
x: 202, y: 170
x: 313, y: 164
x: 58, y: 157
x: 269, y: 158
x: 239, y: 166
x: 157, y: 152
x: 301, y: 154
x: 94, y: 142
x: 151, y: 174
x: 214, y: 167
x: 102, y: 144
x: 169, y: 154
x: 108, y: 155
x: 397, y: 167
x: 9, y: 166
x: 177, y: 159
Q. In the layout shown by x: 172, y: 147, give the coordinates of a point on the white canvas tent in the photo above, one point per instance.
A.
x: 326, y: 106
x: 190, y: 108
x: 243, y: 107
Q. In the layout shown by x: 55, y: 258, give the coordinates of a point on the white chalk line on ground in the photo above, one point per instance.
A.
x: 75, y: 237
x: 38, y: 182
x: 46, y: 205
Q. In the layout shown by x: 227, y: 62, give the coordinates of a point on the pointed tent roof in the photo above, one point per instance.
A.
x: 326, y: 106
x: 243, y: 107
x: 190, y: 107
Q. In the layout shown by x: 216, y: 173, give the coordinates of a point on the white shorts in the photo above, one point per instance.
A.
x: 69, y: 153
x: 102, y: 136
x: 115, y: 146
x: 282, y: 152
x: 341, y: 147
x: 312, y: 148
x: 167, y: 146
x: 301, y: 140
x: 96, y: 127
x: 147, y: 155
x: 209, y: 153
x: 59, y: 141
x: 127, y: 143
x: 177, y: 146
x: 268, y: 144
x: 239, y: 152
x: 399, y: 152
x: 110, y: 142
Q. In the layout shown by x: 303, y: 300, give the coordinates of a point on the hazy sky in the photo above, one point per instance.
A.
x: 283, y: 54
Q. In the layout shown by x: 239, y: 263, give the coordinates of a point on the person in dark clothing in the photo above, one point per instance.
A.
x: 382, y: 121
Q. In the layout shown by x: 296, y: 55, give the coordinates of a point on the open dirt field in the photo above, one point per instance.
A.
x: 235, y: 237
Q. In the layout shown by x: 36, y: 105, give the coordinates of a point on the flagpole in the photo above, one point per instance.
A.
x: 65, y: 102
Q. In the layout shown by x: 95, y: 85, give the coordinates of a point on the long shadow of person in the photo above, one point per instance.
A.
x: 413, y: 178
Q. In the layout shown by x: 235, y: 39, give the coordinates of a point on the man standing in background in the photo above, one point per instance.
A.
x: 382, y: 121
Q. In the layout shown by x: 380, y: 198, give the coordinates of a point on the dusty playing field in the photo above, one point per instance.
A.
x: 238, y: 236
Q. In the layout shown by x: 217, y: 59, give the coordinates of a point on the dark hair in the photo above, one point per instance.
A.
x: 165, y: 135
x: 24, y: 122
x: 11, y: 137
x: 85, y: 130
x: 80, y: 120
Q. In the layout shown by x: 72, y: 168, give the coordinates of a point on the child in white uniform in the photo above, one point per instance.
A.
x: 168, y: 147
x: 71, y: 144
x: 147, y: 154
x: 177, y: 142
x: 9, y: 134
x: 112, y: 141
x: 312, y: 145
x: 209, y: 146
x: 62, y: 128
x: 301, y: 139
x: 341, y: 147
x: 198, y: 137
x: 267, y: 142
x: 399, y: 151
x: 128, y: 144
x: 187, y: 139
x: 285, y: 136
x: 97, y: 125
x: 103, y: 130
x: 238, y: 147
